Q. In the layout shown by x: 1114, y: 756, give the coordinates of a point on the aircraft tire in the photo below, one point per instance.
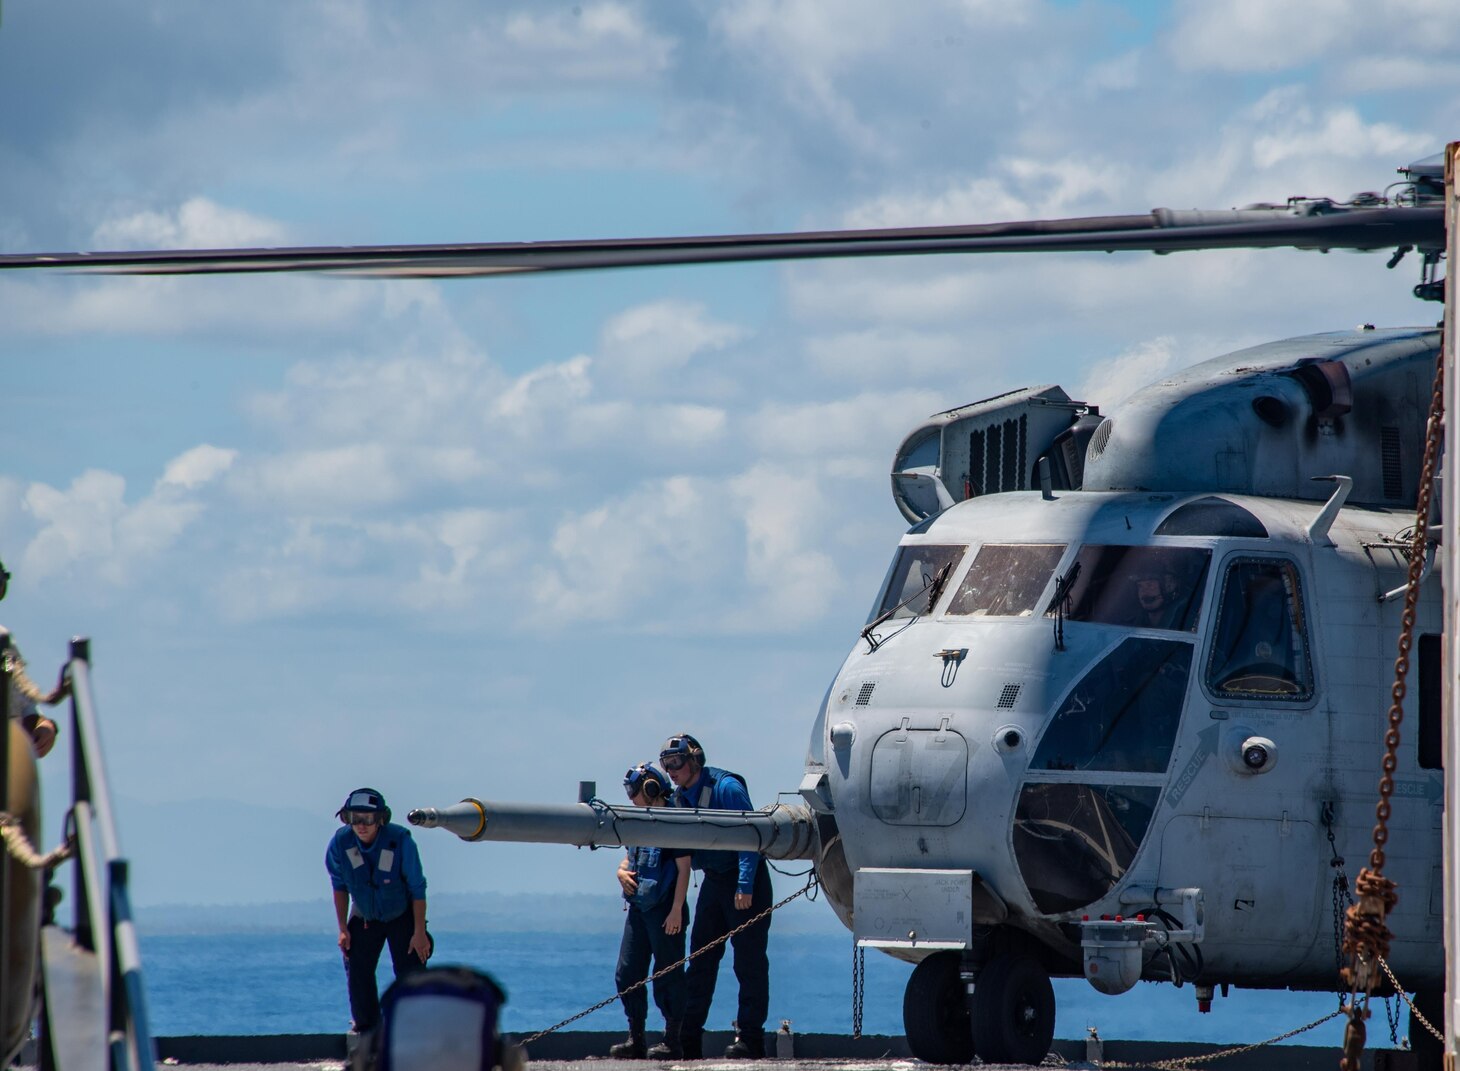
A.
x: 935, y: 1012
x: 1013, y: 1011
x: 1429, y: 1054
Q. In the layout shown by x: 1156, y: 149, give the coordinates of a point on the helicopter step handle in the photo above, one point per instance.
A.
x: 779, y: 832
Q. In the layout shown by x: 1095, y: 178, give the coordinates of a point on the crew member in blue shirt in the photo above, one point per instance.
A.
x: 380, y: 898
x: 735, y: 888
x: 655, y: 882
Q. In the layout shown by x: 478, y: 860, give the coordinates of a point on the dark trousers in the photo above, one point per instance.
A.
x: 366, y: 941
x: 715, y: 916
x: 644, y: 937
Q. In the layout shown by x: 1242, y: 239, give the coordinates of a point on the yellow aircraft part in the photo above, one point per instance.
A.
x: 22, y: 901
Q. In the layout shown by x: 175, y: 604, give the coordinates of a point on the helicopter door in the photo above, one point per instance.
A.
x: 1238, y: 833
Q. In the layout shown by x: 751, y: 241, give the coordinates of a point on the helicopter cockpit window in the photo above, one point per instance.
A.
x: 910, y: 581
x: 1212, y: 516
x: 1142, y: 587
x: 1260, y: 647
x: 1123, y: 714
x: 1006, y: 580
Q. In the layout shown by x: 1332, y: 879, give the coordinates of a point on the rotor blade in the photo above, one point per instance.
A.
x: 1310, y: 225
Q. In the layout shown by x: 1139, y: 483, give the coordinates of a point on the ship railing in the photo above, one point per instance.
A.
x: 95, y: 972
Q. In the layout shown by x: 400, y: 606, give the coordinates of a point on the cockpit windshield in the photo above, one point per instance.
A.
x: 1007, y: 579
x: 1141, y: 587
x: 910, y: 580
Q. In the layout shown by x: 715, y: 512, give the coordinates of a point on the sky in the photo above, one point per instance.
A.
x: 493, y: 537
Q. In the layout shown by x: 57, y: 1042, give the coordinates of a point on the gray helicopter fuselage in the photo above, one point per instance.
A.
x: 1078, y: 775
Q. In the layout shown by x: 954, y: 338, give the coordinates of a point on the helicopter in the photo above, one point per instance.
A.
x: 1115, y: 710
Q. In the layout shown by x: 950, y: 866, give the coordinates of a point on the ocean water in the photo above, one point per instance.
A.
x: 275, y: 983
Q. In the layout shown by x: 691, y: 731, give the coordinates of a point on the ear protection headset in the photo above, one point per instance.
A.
x: 363, y: 799
x: 646, y: 779
x: 685, y: 745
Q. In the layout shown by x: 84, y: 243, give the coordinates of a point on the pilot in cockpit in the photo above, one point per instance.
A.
x: 1158, y: 596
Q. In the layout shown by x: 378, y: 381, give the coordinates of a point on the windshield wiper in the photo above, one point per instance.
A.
x: 934, y: 590
x: 1059, y: 604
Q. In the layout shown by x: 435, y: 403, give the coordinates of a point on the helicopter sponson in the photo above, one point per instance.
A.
x: 1118, y: 709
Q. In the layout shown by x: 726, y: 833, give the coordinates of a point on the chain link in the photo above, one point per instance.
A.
x: 810, y: 884
x: 1413, y: 1011
x: 859, y: 985
x: 1181, y: 1063
x: 1342, y: 898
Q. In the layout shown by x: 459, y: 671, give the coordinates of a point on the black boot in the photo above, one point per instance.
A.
x: 746, y: 1047
x: 669, y: 1048
x: 631, y: 1047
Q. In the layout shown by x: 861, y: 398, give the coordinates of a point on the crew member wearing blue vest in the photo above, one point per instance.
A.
x: 736, y: 887
x: 655, y: 882
x: 380, y: 898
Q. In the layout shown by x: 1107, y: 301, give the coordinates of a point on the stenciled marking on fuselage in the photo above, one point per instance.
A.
x: 1431, y: 789
x: 1206, y: 747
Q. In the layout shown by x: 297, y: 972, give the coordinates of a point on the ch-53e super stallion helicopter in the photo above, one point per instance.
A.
x: 1117, y: 709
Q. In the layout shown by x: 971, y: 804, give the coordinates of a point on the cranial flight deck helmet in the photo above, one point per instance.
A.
x: 647, y: 778
x: 363, y: 799
x: 679, y: 748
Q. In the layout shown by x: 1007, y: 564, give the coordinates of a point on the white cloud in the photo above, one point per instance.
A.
x: 791, y: 575
x: 329, y: 481
x: 644, y: 344
x: 1252, y: 35
x: 536, y: 396
x: 198, y: 466
x: 1295, y: 132
x: 90, y: 526
x: 600, y: 42
x: 865, y: 427
x: 1383, y: 73
x: 888, y: 353
x: 197, y: 223
x: 641, y: 559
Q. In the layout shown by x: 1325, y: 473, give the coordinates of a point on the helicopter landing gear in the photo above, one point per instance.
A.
x: 1013, y: 1011
x: 935, y: 1012
x: 1429, y: 1054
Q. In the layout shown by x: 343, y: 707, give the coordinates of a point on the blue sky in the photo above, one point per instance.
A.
x: 492, y: 537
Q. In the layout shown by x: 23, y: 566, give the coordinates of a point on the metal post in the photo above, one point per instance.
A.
x: 1451, y: 579
x: 80, y: 792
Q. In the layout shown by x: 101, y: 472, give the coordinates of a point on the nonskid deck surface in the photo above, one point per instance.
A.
x: 1067, y: 1054
x: 1285, y: 1058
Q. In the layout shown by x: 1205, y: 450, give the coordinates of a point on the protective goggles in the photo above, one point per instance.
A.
x: 673, y: 763
x: 364, y: 818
